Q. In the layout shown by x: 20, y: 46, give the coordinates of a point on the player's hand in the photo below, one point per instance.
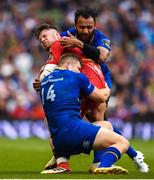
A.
x: 36, y: 85
x: 106, y: 91
x: 70, y: 41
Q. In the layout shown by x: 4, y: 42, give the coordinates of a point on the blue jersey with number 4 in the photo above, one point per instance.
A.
x: 60, y: 92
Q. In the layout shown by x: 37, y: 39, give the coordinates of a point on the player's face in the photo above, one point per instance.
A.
x: 85, y: 28
x: 47, y: 37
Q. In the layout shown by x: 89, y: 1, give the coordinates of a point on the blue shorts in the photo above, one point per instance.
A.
x: 77, y: 137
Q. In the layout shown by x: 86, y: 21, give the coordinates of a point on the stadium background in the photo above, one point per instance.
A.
x: 130, y: 26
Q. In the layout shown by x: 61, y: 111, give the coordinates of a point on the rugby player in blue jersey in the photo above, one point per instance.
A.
x: 61, y: 93
x: 49, y: 39
x: 142, y: 166
x: 96, y: 46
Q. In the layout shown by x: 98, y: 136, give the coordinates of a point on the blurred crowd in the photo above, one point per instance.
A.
x: 128, y: 23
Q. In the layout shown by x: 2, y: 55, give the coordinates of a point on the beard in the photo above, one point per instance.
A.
x: 85, y: 38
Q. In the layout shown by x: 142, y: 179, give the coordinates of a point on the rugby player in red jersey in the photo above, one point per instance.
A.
x: 49, y: 39
x: 89, y: 67
x: 56, y: 51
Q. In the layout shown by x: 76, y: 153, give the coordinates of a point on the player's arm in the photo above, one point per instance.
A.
x: 48, y: 68
x: 88, y: 89
x: 104, y: 53
x: 98, y: 54
x: 54, y: 55
x: 69, y: 41
x: 44, y: 71
x: 36, y: 82
x: 100, y: 95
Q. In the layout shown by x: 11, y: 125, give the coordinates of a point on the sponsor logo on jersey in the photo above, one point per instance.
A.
x: 51, y: 80
x: 86, y: 144
x: 106, y: 42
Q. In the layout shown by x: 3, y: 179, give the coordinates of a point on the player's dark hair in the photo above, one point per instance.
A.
x: 69, y: 56
x: 42, y: 27
x: 86, y: 12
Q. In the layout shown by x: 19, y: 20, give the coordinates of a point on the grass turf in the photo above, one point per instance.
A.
x: 24, y: 159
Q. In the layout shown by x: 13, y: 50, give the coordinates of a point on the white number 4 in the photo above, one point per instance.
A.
x: 51, y: 93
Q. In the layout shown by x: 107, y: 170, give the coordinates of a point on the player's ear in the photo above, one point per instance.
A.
x: 67, y: 65
x: 58, y: 35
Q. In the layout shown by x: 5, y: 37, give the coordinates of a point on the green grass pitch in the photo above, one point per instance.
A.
x: 24, y: 159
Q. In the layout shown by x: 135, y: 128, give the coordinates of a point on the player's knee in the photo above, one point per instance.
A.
x: 104, y: 124
x: 108, y: 125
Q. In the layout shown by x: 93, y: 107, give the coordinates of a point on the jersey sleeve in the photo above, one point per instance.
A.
x: 64, y: 34
x: 102, y: 40
x: 84, y: 84
x: 71, y: 30
x: 55, y: 53
x: 107, y: 74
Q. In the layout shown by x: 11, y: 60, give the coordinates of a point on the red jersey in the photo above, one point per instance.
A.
x: 89, y: 68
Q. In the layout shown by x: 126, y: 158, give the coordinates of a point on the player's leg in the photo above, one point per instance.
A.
x: 57, y: 165
x: 114, y: 145
x: 136, y: 156
x: 95, y: 115
x: 131, y: 152
x: 96, y: 111
x: 52, y: 163
x: 98, y: 154
x: 82, y: 139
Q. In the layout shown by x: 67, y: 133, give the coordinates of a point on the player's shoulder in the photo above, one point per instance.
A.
x: 100, y: 39
x: 71, y: 30
x: 99, y: 34
x: 72, y: 73
x: 56, y: 42
x: 56, y: 45
x: 69, y: 74
x: 81, y: 77
x: 75, y: 75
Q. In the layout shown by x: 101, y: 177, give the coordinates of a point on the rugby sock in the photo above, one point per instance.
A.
x: 98, y: 155
x: 61, y: 159
x: 62, y: 163
x: 110, y: 156
x: 130, y: 152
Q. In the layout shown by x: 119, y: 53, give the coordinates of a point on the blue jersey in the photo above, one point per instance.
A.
x: 60, y: 92
x: 107, y: 74
x: 99, y: 39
